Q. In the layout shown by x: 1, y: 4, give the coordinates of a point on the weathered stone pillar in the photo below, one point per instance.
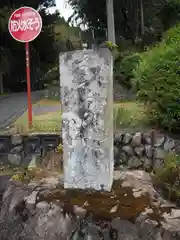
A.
x: 87, y: 118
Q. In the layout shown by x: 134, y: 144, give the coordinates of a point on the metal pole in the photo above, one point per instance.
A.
x: 110, y: 21
x: 28, y: 85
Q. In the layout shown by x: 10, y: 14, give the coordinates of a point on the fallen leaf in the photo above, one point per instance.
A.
x: 114, y: 209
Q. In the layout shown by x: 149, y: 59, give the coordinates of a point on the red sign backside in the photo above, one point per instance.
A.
x: 25, y: 24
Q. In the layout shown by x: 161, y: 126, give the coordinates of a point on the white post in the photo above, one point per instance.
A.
x: 110, y: 21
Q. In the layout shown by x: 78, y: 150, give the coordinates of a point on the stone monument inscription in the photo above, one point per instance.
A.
x: 86, y: 79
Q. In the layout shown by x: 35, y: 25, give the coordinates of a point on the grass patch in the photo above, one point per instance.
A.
x: 47, y: 102
x: 129, y: 115
x: 43, y: 122
x: 49, y: 122
x: 126, y: 115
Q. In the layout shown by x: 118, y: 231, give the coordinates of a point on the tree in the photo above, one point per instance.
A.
x: 4, y: 52
x: 172, y: 10
x: 4, y: 66
x: 133, y: 18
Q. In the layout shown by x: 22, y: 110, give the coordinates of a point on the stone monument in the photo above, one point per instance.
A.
x: 86, y: 79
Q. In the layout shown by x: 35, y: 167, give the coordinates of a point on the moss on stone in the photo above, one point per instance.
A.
x: 120, y: 202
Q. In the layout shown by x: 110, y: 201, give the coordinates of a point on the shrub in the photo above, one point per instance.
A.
x: 157, y: 79
x: 52, y: 76
x: 125, y: 68
x: 172, y: 36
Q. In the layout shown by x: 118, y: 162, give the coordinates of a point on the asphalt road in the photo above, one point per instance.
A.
x: 13, y: 106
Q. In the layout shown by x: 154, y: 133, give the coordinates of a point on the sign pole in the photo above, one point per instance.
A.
x: 25, y: 25
x: 28, y: 84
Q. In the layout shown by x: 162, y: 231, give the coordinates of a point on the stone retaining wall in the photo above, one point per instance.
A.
x: 143, y: 150
x: 19, y: 149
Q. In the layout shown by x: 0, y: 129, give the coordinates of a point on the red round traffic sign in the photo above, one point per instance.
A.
x: 25, y: 24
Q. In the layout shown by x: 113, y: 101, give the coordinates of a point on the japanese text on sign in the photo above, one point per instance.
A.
x: 23, y: 25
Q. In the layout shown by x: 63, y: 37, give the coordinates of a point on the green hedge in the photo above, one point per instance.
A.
x: 157, y: 78
x: 172, y: 36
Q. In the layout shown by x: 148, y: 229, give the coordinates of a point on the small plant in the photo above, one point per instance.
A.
x: 19, y: 176
x: 168, y: 177
x: 110, y: 45
x: 59, y: 148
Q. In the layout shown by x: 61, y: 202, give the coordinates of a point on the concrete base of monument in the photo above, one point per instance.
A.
x: 40, y: 208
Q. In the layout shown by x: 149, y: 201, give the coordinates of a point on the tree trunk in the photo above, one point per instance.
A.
x: 137, y: 22
x: 142, y: 17
x: 1, y: 84
x: 127, y: 25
